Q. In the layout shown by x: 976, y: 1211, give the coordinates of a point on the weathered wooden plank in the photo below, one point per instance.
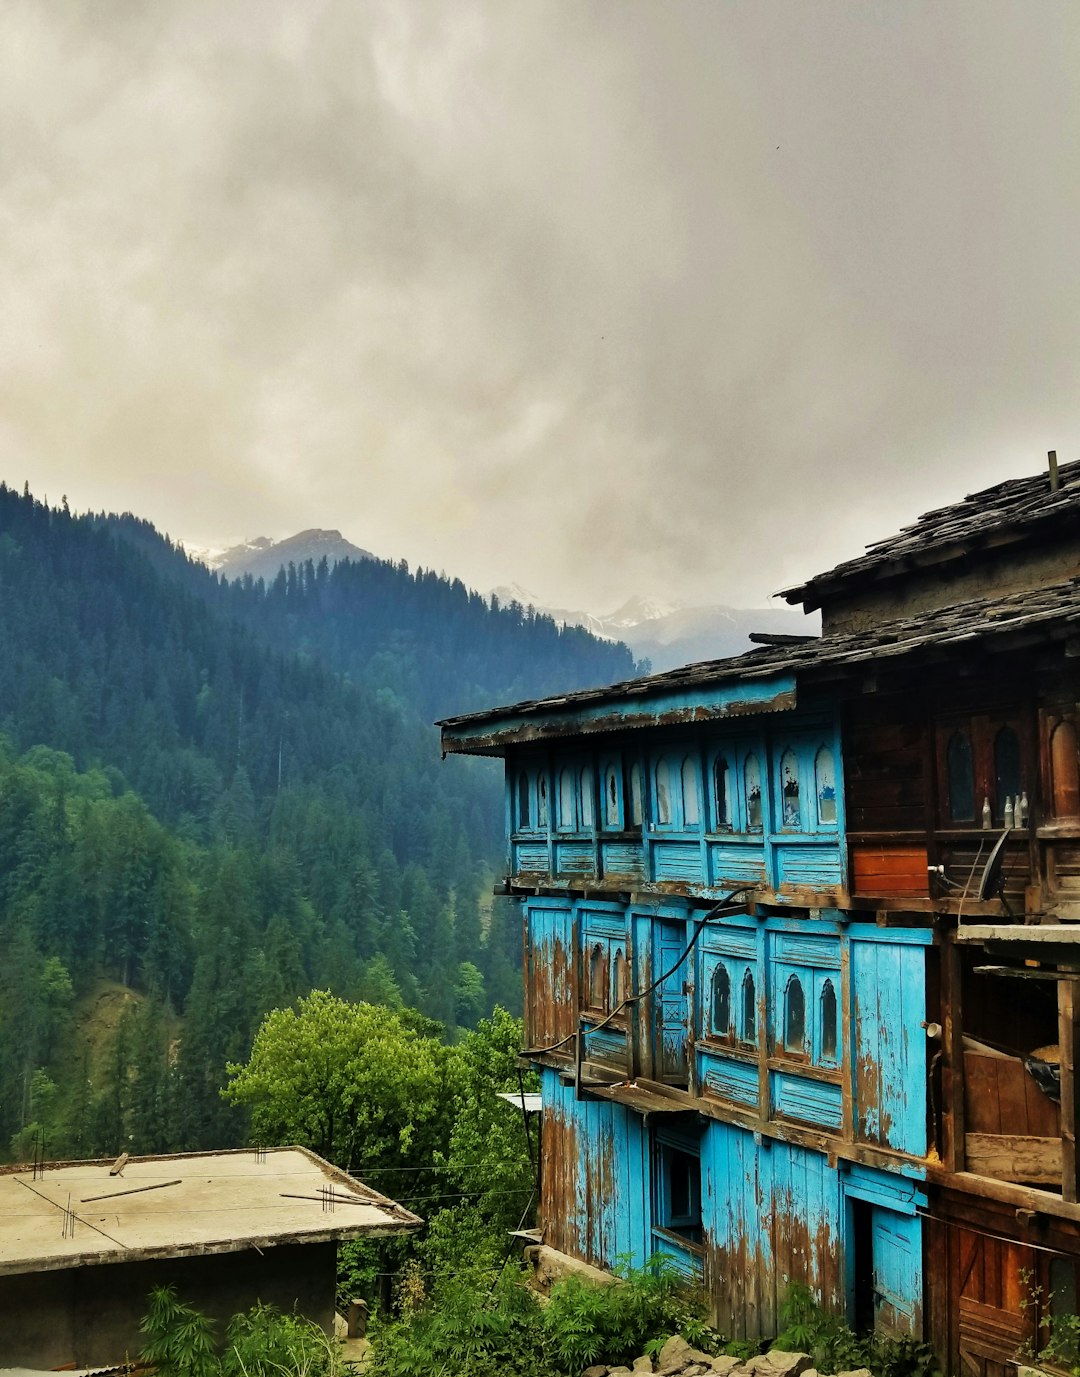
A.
x: 952, y: 1069
x: 983, y: 1108
x: 1015, y: 1157
x: 1068, y: 1019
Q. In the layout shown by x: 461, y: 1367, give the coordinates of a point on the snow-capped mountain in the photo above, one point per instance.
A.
x: 262, y: 557
x: 670, y: 635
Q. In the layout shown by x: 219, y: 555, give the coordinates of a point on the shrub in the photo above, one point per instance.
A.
x: 470, y: 1328
x: 261, y: 1343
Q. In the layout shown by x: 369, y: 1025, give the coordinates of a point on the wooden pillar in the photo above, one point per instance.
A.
x: 952, y: 1067
x: 1068, y: 1012
x: 847, y: 1040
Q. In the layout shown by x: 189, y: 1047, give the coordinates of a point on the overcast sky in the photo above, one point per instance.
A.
x: 602, y: 296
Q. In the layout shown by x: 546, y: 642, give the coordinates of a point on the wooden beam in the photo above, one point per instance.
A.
x: 1014, y: 1157
x: 1068, y: 1011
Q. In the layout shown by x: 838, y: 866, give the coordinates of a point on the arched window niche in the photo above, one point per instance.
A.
x: 566, y: 818
x: 722, y: 793
x: 791, y: 807
x: 611, y: 799
x: 752, y: 779
x: 825, y: 787
x: 691, y: 799
x: 828, y: 1022
x: 621, y: 986
x: 542, y: 802
x: 524, y: 815
x: 637, y: 795
x: 1065, y: 771
x: 586, y: 798
x: 748, y: 1027
x: 794, y: 1016
x: 960, y: 770
x: 720, y: 1015
x: 663, y: 792
x: 597, y: 978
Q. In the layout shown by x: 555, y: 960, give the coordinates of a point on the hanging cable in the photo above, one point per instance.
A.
x: 708, y: 916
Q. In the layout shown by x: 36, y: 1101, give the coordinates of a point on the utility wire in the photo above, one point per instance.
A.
x: 702, y: 922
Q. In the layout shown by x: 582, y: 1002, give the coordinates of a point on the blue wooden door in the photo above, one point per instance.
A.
x: 897, y: 1253
x: 672, y: 1002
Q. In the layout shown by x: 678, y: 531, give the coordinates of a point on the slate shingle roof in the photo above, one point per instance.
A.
x: 1056, y: 607
x: 1012, y: 507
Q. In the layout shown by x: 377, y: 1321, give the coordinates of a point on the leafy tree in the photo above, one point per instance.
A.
x: 352, y: 1081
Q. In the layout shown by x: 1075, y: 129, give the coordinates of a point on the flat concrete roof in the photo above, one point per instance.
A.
x: 74, y: 1214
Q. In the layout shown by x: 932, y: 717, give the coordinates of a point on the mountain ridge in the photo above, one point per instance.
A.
x: 669, y: 635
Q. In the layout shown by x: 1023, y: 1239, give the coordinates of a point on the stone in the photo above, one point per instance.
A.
x: 674, y: 1355
x: 643, y: 1364
x: 695, y: 1370
x: 777, y: 1363
x: 856, y: 1372
x: 724, y: 1363
x: 621, y: 1372
x: 599, y: 1370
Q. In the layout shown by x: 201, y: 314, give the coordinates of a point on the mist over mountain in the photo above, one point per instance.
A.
x: 668, y: 635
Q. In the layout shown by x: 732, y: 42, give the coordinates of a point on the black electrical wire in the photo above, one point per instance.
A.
x: 707, y: 917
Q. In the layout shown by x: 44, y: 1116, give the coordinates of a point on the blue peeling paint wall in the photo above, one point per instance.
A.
x: 595, y: 1177
x: 724, y: 806
x: 849, y: 1064
x: 888, y: 968
x: 772, y: 1212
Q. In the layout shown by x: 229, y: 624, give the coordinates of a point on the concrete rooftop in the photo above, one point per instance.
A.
x: 216, y: 1202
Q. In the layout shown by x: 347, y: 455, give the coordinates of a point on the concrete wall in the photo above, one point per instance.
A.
x: 89, y: 1316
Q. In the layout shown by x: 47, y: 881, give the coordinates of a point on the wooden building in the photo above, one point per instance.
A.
x: 799, y: 948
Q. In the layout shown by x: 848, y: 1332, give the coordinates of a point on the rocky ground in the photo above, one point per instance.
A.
x: 678, y: 1359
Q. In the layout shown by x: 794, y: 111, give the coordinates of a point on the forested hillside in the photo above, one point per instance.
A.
x: 215, y: 797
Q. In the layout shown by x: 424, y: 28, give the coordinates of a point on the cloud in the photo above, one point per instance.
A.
x: 686, y: 299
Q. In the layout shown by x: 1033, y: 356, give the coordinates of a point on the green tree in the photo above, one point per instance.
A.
x: 352, y: 1081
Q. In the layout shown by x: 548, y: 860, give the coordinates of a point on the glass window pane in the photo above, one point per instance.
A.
x: 541, y: 802
x: 828, y: 1021
x: 794, y: 1016
x: 789, y: 790
x: 722, y: 792
x: 523, y: 800
x: 680, y: 1193
x: 752, y: 776
x: 691, y: 804
x: 961, y: 772
x: 825, y: 784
